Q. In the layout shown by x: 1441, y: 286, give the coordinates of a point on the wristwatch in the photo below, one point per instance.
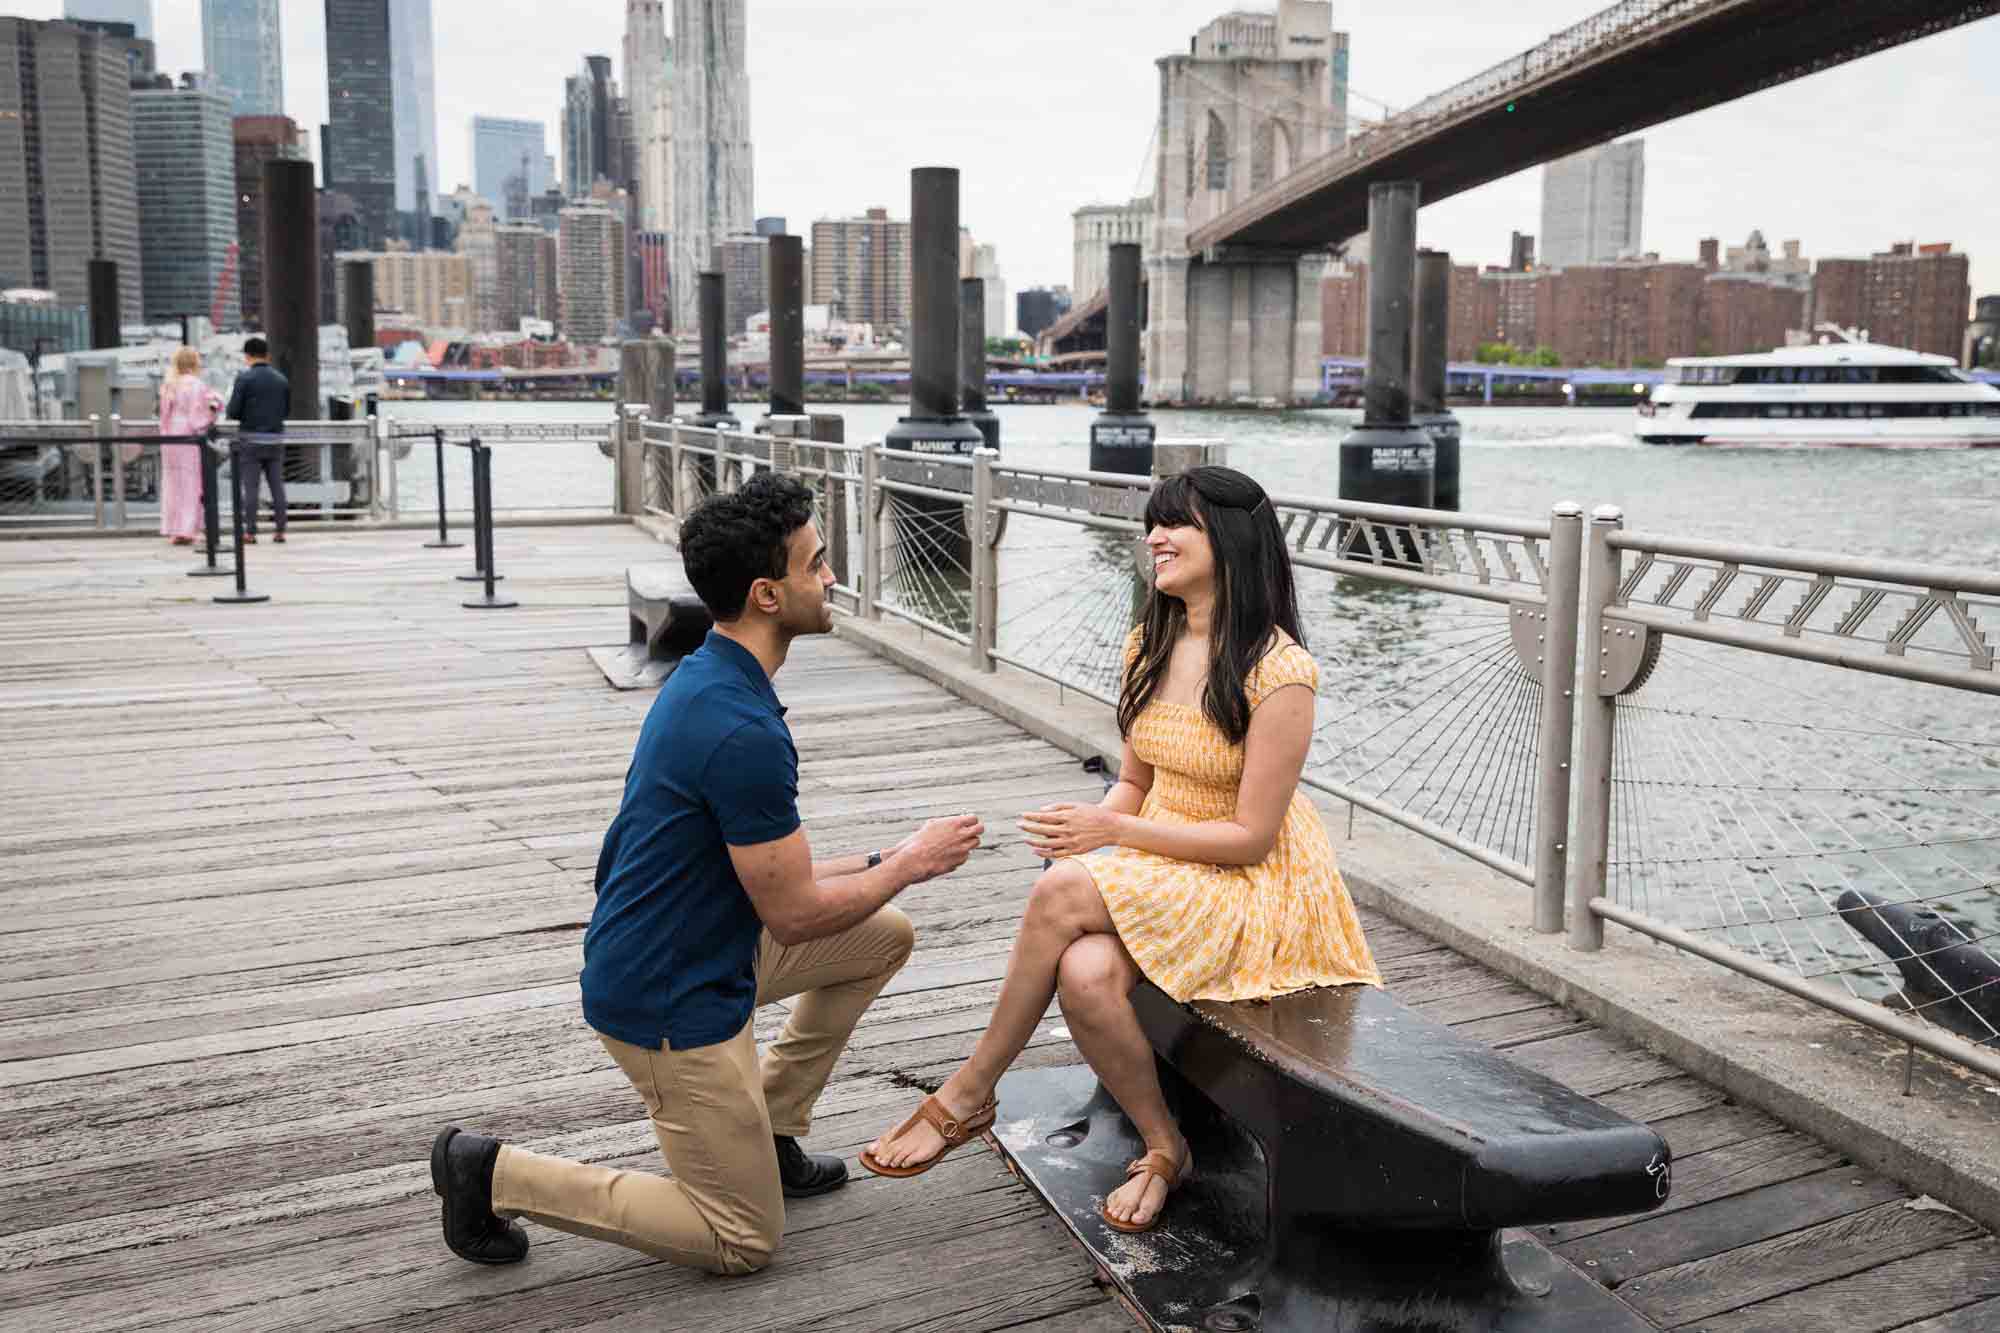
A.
x: 874, y: 859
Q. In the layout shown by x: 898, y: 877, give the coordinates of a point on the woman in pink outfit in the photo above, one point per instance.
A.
x: 187, y: 407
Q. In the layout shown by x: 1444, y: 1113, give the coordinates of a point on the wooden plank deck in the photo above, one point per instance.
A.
x: 290, y: 886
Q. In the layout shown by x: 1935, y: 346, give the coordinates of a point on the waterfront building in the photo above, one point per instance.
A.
x: 1520, y: 253
x: 342, y: 229
x: 1095, y: 229
x: 1593, y: 204
x: 430, y: 290
x: 655, y: 296
x: 711, y: 140
x: 986, y: 267
x: 745, y: 265
x: 1912, y: 296
x: 381, y: 140
x: 35, y: 323
x: 257, y: 140
x: 861, y: 269
x: 649, y: 87
x: 509, y: 164
x: 138, y: 13
x: 525, y: 277
x: 68, y: 192
x: 477, y: 241
x: 769, y: 227
x: 243, y: 47
x: 1039, y: 307
x: 1982, y: 336
x: 587, y: 127
x: 183, y: 150
x: 591, y: 262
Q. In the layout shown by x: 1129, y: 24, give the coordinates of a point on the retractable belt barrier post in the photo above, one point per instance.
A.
x: 211, y: 511
x: 444, y: 541
x: 242, y: 591
x: 477, y: 574
x: 482, y: 529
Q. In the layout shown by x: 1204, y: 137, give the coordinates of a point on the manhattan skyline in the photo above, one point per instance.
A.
x: 1055, y: 109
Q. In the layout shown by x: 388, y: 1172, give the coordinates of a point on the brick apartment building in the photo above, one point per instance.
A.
x: 1908, y: 296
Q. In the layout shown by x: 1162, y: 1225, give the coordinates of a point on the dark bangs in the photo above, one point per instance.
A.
x: 1172, y: 504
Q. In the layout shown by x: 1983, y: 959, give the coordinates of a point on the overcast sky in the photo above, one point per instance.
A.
x: 1048, y: 104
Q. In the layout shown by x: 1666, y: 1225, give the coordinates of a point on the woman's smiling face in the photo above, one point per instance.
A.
x: 1182, y: 559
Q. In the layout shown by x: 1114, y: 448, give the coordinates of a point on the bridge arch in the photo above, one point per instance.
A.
x: 1272, y: 156
x: 1216, y: 154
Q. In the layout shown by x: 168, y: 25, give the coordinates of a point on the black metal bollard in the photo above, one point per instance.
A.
x: 477, y: 574
x: 444, y: 541
x: 972, y: 359
x: 211, y: 511
x: 1430, y: 350
x: 1386, y: 460
x: 242, y: 592
x: 482, y: 529
x: 1121, y: 439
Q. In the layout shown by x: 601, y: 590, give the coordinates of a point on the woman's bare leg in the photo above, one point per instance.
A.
x: 1063, y: 907
x: 1095, y: 980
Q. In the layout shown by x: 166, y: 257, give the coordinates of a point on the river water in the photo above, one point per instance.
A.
x: 1749, y: 791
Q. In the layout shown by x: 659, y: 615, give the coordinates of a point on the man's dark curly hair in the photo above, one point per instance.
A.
x: 732, y: 540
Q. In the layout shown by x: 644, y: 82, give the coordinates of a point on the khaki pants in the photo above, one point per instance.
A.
x: 714, y: 1111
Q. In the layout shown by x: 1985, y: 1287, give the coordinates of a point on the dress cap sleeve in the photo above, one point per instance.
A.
x: 1287, y: 664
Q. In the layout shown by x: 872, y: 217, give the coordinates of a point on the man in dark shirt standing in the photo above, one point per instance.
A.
x: 261, y: 401
x: 709, y: 903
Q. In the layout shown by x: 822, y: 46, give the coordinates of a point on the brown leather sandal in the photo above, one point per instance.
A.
x: 1158, y: 1162
x: 955, y: 1133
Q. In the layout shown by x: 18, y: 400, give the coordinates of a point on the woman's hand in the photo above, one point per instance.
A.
x: 1065, y: 829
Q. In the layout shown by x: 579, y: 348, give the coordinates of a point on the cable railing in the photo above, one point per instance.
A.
x: 1792, y: 788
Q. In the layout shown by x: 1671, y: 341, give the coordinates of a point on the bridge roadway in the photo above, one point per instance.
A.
x: 1635, y: 64
x: 291, y: 885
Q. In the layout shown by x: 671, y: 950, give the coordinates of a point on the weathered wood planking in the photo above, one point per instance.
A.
x: 292, y: 885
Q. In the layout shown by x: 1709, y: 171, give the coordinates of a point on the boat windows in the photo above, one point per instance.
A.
x: 1821, y: 411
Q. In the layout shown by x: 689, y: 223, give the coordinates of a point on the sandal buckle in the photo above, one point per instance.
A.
x: 950, y: 1128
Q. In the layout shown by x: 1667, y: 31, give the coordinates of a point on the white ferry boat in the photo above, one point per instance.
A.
x: 1831, y: 393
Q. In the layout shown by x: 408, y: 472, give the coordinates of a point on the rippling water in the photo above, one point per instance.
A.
x: 1751, y: 790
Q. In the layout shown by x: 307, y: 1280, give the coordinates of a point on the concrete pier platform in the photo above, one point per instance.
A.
x: 291, y: 885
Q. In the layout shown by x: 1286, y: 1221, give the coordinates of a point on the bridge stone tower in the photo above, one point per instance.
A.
x: 1256, y: 95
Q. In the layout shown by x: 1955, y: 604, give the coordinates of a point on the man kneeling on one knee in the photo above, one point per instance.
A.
x: 709, y: 904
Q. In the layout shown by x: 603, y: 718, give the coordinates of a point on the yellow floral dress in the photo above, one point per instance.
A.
x: 1203, y: 932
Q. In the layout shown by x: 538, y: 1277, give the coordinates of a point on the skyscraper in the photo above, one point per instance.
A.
x: 182, y: 149
x: 1592, y: 205
x: 258, y: 140
x: 138, y: 13
x: 592, y: 264
x: 67, y: 192
x: 381, y: 143
x: 711, y: 140
x: 524, y: 283
x: 861, y: 268
x: 244, y: 51
x: 509, y: 165
x: 588, y: 127
x: 649, y: 74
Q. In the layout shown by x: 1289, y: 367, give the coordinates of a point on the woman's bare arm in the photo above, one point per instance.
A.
x: 1135, y: 779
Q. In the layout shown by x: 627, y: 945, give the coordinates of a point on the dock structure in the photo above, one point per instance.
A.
x: 291, y: 886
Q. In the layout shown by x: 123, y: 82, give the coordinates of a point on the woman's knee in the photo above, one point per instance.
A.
x: 1065, y: 895
x: 1093, y: 971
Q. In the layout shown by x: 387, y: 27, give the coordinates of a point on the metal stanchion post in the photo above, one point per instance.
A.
x: 118, y: 472
x: 482, y: 518
x: 242, y: 592
x: 444, y: 541
x: 97, y: 471
x: 211, y: 511
x: 482, y: 499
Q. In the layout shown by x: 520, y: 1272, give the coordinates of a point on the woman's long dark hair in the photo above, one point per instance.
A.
x: 1254, y: 594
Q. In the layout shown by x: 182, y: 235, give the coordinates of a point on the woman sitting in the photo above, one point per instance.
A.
x: 1204, y: 870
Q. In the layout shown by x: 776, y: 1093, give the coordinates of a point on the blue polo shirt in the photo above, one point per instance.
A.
x: 670, y: 956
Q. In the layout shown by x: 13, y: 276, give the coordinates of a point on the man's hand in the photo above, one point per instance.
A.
x: 1065, y: 829
x: 938, y: 848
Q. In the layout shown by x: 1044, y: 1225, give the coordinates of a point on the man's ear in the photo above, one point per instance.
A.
x: 763, y: 596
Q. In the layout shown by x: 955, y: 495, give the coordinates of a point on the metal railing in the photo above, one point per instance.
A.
x: 98, y: 474
x: 541, y: 466
x: 1737, y: 796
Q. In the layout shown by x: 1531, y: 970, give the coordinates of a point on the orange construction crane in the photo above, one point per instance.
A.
x: 222, y: 286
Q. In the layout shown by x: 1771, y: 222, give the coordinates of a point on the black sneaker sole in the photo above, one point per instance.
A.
x: 439, y: 1147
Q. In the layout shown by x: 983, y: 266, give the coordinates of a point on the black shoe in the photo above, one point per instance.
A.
x: 805, y: 1174
x: 462, y: 1175
x: 279, y: 538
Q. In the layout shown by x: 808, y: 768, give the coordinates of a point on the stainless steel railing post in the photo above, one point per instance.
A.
x: 871, y: 531
x: 1556, y: 636
x: 982, y: 528
x: 1597, y: 711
